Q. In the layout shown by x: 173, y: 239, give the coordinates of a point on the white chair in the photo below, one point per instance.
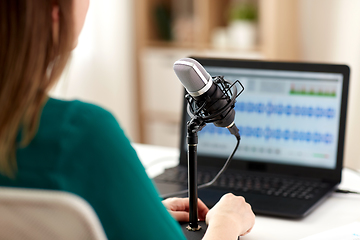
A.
x: 44, y: 214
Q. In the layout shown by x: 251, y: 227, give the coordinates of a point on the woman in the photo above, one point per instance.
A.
x: 78, y: 147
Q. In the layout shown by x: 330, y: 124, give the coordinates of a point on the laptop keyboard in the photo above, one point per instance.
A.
x: 240, y: 182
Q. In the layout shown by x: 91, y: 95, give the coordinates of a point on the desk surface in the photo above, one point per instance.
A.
x: 339, y: 209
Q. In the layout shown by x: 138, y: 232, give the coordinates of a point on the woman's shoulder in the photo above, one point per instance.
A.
x: 77, y: 126
x: 77, y: 119
x: 75, y: 109
x: 75, y: 113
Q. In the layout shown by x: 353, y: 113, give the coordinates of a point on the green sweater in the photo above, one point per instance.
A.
x: 80, y: 148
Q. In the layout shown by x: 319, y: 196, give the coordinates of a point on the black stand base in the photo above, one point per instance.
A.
x: 191, y: 235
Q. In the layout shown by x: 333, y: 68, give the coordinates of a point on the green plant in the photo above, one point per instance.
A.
x: 243, y: 11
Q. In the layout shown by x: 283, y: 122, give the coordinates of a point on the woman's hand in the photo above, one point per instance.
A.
x: 179, y: 209
x: 230, y: 217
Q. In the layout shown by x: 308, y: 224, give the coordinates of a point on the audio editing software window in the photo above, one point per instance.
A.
x: 283, y: 116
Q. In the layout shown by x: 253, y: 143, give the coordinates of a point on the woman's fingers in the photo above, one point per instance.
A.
x: 179, y: 208
x: 180, y: 216
x: 202, y: 210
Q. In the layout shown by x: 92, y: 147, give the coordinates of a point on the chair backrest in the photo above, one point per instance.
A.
x: 46, y: 214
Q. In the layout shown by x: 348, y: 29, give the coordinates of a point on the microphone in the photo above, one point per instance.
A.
x: 210, y: 98
x: 208, y: 101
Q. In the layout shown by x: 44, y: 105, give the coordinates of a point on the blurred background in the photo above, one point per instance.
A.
x: 127, y: 49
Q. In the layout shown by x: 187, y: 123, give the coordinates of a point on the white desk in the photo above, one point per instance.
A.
x: 339, y: 209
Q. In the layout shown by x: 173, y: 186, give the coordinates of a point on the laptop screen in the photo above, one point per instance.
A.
x: 284, y: 117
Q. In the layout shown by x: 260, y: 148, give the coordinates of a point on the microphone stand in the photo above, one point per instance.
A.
x: 194, y: 230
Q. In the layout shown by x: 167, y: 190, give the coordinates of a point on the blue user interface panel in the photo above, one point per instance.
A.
x: 284, y: 117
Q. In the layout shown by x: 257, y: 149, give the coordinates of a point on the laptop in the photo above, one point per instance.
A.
x: 291, y: 118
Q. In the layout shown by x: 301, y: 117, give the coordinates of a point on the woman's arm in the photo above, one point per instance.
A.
x: 104, y: 169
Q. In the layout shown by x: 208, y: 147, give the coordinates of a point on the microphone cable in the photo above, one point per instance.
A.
x: 226, y: 165
x: 345, y: 190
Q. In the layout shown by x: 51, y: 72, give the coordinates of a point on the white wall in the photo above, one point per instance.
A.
x: 330, y: 32
x: 101, y: 70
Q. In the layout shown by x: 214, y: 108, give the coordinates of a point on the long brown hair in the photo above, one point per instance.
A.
x: 31, y: 61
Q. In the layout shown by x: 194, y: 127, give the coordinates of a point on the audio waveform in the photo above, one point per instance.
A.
x: 277, y: 134
x: 288, y: 110
x: 312, y: 90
